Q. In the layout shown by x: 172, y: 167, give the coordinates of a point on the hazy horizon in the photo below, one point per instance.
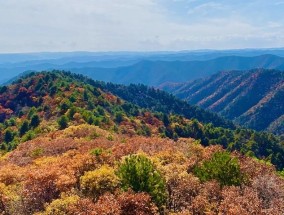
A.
x: 142, y: 52
x: 139, y: 25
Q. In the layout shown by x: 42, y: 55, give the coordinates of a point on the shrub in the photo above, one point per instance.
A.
x: 83, y: 206
x: 221, y: 167
x: 137, y: 204
x: 107, y: 205
x: 138, y: 173
x: 99, y: 181
x: 96, y: 151
x: 28, y: 136
x: 60, y: 206
x: 37, y: 152
x: 39, y: 189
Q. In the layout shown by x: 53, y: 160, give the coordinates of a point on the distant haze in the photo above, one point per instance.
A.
x: 139, y: 25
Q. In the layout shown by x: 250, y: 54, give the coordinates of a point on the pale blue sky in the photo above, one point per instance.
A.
x: 139, y: 25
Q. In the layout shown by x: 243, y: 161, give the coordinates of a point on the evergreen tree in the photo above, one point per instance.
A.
x: 62, y: 122
x: 35, y: 121
x: 139, y: 173
x: 8, y: 136
x: 24, y: 128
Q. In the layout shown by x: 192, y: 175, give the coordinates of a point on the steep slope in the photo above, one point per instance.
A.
x: 251, y: 98
x: 141, y: 95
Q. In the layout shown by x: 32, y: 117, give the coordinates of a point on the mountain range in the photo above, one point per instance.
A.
x: 147, y: 68
x: 250, y: 98
x: 154, y: 73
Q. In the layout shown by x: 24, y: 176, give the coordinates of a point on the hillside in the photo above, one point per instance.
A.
x: 46, y: 99
x: 251, y: 98
x: 110, y: 144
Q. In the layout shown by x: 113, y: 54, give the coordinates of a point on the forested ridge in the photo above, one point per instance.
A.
x: 253, y: 98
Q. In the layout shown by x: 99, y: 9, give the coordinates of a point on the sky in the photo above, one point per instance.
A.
x: 139, y: 25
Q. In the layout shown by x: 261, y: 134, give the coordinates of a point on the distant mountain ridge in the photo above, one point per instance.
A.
x: 150, y: 69
x: 157, y: 72
x: 251, y: 98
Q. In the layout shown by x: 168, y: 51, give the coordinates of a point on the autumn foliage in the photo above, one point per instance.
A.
x: 71, y: 148
x: 67, y: 177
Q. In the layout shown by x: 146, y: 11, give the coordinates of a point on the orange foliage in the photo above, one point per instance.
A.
x: 40, y: 170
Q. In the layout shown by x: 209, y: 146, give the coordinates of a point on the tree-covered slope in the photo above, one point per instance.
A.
x: 251, y: 98
x: 41, y: 103
x: 71, y: 145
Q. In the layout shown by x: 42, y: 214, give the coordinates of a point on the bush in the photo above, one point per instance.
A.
x: 29, y: 136
x: 97, y: 182
x: 108, y: 205
x: 221, y: 167
x: 60, y: 206
x: 138, y: 173
x: 96, y: 152
x: 137, y: 204
x: 40, y: 188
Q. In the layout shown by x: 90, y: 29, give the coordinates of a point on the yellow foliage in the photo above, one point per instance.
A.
x: 170, y: 156
x: 11, y: 174
x: 10, y: 200
x: 60, y: 206
x: 173, y: 170
x: 84, y: 131
x: 99, y: 181
x: 45, y: 161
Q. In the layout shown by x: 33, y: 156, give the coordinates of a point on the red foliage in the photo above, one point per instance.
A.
x: 82, y: 207
x: 40, y: 188
x: 136, y: 204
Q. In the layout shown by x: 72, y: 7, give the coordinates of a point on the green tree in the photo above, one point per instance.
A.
x: 221, y: 167
x: 64, y: 106
x: 8, y: 136
x: 63, y: 122
x: 119, y: 117
x: 31, y: 112
x: 52, y: 90
x: 3, y: 89
x: 35, y: 121
x: 85, y: 95
x: 71, y: 113
x: 24, y: 128
x: 139, y: 173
